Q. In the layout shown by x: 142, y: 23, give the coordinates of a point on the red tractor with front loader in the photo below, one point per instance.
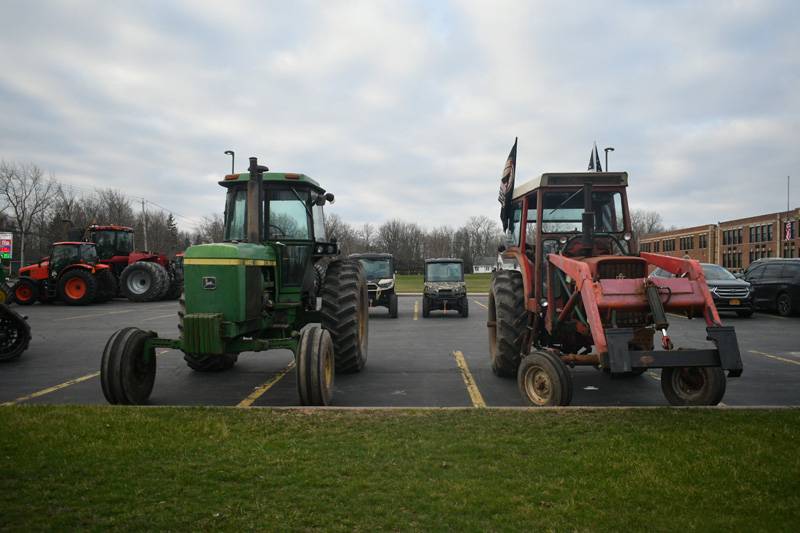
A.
x: 141, y: 276
x: 574, y: 290
x: 71, y: 273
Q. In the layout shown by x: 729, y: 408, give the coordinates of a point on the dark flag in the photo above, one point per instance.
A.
x: 594, y: 160
x: 507, y: 186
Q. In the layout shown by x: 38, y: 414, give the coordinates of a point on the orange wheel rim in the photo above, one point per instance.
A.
x: 23, y: 294
x: 75, y: 288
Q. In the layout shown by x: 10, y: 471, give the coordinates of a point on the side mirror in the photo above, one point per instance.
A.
x: 329, y: 197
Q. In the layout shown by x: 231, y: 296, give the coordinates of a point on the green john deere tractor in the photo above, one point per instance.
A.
x: 275, y: 282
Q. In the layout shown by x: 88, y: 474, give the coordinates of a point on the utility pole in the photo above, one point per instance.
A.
x: 144, y: 224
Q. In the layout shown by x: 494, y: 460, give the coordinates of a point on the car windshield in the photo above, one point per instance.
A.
x: 717, y: 272
x: 444, y: 272
x: 562, y: 212
x: 376, y: 268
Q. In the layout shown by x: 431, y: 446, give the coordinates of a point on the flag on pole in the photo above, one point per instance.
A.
x: 507, y: 186
x: 594, y: 160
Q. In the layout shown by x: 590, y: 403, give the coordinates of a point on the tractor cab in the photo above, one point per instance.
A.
x: 62, y: 255
x: 111, y: 241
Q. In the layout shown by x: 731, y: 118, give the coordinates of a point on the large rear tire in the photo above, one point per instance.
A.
x: 544, y: 380
x: 507, y: 321
x: 315, y: 366
x: 77, y: 287
x: 693, y: 385
x: 26, y: 292
x: 15, y: 334
x: 127, y: 373
x: 345, y: 314
x: 144, y: 281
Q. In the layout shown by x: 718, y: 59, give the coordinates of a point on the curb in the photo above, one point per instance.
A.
x: 420, y: 294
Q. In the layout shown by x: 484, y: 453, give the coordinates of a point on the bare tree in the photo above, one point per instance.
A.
x: 644, y: 222
x: 27, y: 194
x: 212, y: 229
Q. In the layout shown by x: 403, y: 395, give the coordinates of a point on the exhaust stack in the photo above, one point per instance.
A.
x: 255, y: 202
x: 587, y: 220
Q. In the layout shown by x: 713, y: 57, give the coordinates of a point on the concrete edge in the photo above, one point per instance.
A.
x: 426, y: 409
x: 420, y: 294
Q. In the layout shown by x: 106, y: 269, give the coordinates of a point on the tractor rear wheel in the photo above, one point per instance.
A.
x: 345, y: 313
x: 693, y: 385
x: 392, y: 306
x: 127, y: 372
x: 15, y: 334
x: 210, y: 363
x: 507, y: 321
x: 77, y: 287
x: 544, y: 380
x: 26, y: 292
x: 106, y: 285
x: 144, y: 281
x: 315, y: 366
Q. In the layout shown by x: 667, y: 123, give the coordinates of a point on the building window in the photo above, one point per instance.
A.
x: 751, y: 255
x: 769, y: 232
x: 703, y: 241
x: 656, y: 246
x: 752, y: 234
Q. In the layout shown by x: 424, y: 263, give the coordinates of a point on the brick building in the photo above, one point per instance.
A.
x: 733, y: 244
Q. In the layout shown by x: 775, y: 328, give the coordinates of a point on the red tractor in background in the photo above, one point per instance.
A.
x: 574, y: 290
x: 142, y: 276
x: 71, y: 273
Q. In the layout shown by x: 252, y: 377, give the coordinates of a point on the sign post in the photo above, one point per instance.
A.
x: 6, y: 245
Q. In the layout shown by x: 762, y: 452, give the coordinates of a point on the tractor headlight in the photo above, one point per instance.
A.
x: 627, y: 236
x: 320, y: 249
x: 562, y: 240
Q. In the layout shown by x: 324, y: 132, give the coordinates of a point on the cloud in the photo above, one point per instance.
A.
x: 408, y: 109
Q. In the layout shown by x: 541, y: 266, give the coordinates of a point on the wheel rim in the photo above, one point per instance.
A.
x: 138, y: 283
x: 783, y: 305
x: 328, y: 370
x: 23, y: 293
x: 689, y: 383
x: 538, y: 385
x: 10, y: 337
x: 75, y: 288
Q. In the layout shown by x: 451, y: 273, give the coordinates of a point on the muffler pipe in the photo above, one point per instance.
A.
x: 255, y: 201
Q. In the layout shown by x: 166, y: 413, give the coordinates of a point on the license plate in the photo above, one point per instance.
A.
x: 736, y: 302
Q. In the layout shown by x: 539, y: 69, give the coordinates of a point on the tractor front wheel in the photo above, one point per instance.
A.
x: 144, y: 281
x: 315, y: 366
x: 693, y: 385
x: 26, y: 292
x: 210, y: 363
x: 77, y: 287
x: 544, y: 380
x: 507, y: 322
x: 345, y: 314
x: 127, y: 370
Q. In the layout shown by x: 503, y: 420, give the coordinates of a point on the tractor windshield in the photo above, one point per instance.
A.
x: 376, y: 268
x: 444, y: 272
x: 235, y: 215
x: 288, y: 215
x: 562, y: 212
x: 110, y: 243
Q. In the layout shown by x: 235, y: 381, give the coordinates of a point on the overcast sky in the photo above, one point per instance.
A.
x: 408, y: 108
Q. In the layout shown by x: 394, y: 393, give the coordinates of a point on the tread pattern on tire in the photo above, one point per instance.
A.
x: 345, y: 305
x: 311, y: 353
x: 116, y: 365
x: 91, y: 287
x: 508, y: 301
x: 210, y: 363
x: 715, y: 378
x: 563, y: 374
x: 159, y: 281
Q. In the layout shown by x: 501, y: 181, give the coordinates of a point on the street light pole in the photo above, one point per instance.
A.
x: 233, y: 158
x: 606, y: 150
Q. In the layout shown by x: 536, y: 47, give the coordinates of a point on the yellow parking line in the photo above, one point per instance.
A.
x: 777, y: 358
x: 416, y: 309
x: 469, y: 381
x: 64, y: 385
x: 260, y: 390
x: 477, y: 302
x: 54, y: 388
x: 160, y: 316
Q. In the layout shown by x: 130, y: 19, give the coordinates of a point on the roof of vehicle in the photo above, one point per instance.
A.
x: 571, y: 180
x: 371, y: 255
x: 111, y: 227
x: 444, y: 260
x: 278, y: 177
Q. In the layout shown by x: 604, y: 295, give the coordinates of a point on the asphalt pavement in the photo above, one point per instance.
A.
x: 441, y: 361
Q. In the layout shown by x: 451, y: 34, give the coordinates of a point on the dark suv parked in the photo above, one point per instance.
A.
x: 729, y: 292
x: 776, y: 284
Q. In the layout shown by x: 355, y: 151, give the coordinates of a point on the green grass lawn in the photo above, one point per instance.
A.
x: 476, y: 283
x: 150, y: 469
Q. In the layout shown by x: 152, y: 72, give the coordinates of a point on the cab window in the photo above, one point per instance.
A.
x: 288, y: 215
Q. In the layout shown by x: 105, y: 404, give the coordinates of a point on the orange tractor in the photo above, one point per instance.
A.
x: 71, y: 273
x: 573, y: 290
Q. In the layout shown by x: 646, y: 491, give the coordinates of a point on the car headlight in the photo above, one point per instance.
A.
x: 386, y: 283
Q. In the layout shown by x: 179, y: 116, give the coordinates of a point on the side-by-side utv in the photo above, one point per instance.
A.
x: 573, y: 290
x: 258, y: 290
x: 444, y: 286
x: 379, y: 270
